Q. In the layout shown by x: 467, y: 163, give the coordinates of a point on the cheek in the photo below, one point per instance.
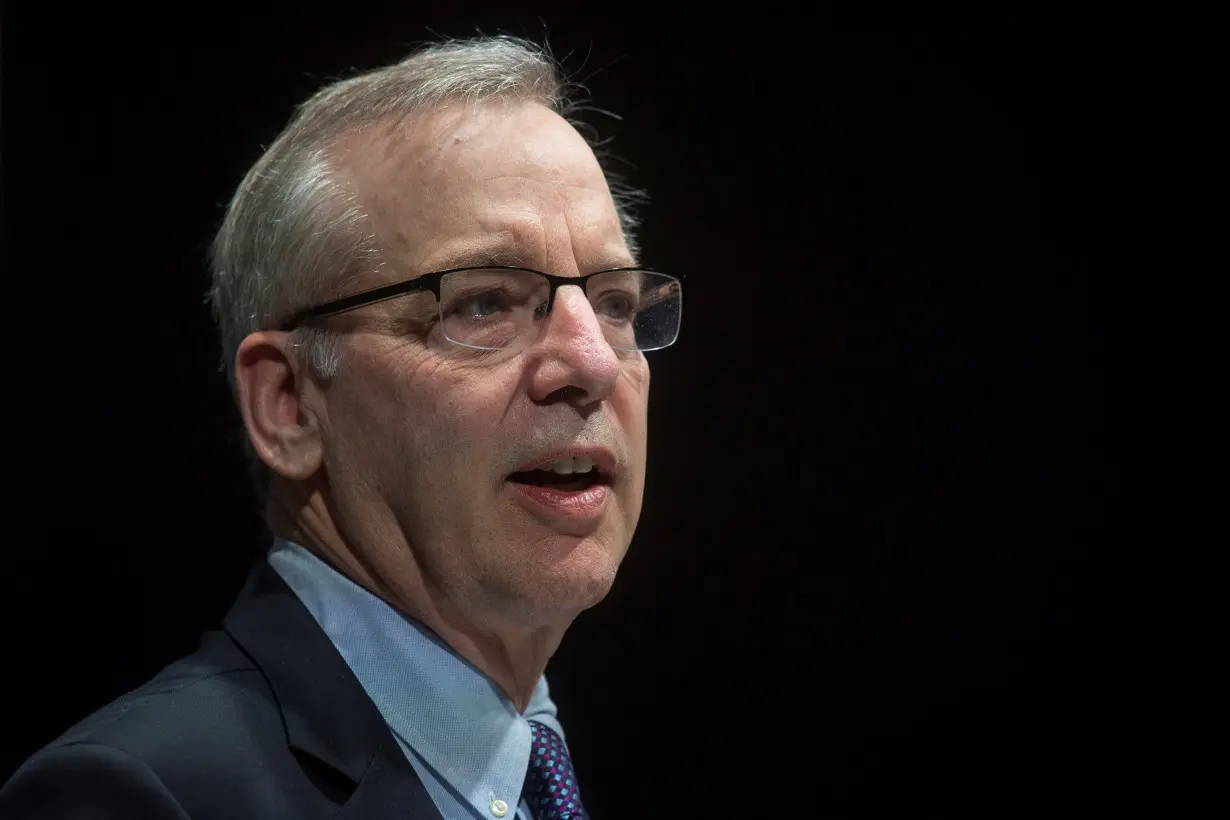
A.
x: 455, y: 416
x: 633, y: 400
x: 379, y: 413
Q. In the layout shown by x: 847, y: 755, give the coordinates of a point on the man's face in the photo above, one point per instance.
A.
x: 420, y: 435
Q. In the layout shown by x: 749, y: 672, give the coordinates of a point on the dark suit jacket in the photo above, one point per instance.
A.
x: 264, y: 720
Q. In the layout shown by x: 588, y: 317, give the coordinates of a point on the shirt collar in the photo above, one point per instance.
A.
x: 450, y: 714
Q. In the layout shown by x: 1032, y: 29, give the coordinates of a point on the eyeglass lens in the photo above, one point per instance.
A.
x: 497, y: 309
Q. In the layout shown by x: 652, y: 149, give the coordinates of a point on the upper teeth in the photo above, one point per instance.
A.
x: 573, y: 464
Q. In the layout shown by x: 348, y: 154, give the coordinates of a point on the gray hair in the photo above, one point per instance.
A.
x: 294, y: 236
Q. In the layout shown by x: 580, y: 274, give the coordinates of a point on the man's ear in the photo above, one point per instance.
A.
x: 270, y: 385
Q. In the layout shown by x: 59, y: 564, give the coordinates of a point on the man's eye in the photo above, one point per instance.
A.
x: 620, y: 306
x: 480, y: 305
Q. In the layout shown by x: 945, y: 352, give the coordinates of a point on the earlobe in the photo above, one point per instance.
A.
x: 270, y: 385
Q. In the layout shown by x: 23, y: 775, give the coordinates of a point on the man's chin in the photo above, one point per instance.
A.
x: 573, y: 585
x: 575, y: 572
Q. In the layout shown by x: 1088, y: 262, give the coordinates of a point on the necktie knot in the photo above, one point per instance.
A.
x: 550, y: 784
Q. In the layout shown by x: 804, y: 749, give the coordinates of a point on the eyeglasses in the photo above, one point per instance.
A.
x: 496, y: 307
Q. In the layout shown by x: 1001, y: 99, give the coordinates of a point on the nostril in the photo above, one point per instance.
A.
x: 569, y: 392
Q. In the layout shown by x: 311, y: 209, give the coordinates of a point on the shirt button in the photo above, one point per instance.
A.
x: 499, y: 808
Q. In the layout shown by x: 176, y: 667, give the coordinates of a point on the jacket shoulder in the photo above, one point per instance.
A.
x: 203, y: 725
x: 196, y: 694
x: 86, y: 780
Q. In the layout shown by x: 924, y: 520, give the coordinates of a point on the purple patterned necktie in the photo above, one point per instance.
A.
x: 550, y: 784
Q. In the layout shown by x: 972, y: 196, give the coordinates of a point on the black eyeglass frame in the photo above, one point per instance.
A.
x: 431, y: 282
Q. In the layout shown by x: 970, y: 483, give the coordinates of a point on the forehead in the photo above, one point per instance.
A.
x: 512, y: 178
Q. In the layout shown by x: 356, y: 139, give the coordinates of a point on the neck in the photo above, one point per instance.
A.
x: 513, y: 656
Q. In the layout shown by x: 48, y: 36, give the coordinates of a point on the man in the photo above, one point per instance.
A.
x: 434, y: 324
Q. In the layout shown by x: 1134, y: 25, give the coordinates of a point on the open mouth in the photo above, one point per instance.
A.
x: 572, y: 482
x: 569, y: 474
x: 567, y: 488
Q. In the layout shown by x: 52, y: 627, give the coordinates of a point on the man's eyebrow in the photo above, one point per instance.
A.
x: 479, y: 256
x: 511, y: 256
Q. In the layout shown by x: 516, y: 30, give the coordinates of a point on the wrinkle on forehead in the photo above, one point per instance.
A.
x: 461, y: 173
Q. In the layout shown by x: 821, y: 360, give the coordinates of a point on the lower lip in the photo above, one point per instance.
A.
x: 577, y: 504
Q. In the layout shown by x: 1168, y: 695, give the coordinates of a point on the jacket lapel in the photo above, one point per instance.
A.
x: 327, y: 714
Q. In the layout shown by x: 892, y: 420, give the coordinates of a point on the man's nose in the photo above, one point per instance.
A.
x: 572, y: 355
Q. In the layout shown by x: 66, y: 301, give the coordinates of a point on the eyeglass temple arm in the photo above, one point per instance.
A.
x: 358, y: 300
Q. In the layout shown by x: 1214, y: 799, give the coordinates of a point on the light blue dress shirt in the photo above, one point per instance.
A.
x: 466, y: 740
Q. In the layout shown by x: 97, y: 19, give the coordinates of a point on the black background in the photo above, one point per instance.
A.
x: 914, y: 536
